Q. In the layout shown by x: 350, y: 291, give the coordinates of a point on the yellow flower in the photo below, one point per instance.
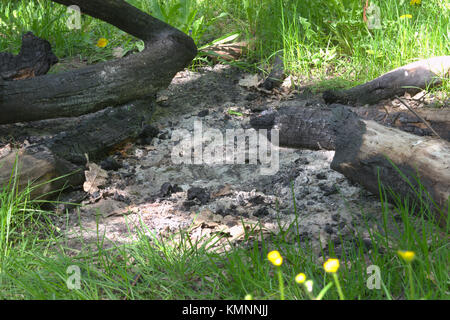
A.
x: 275, y: 258
x: 331, y: 265
x: 414, y: 2
x: 407, y: 256
x: 406, y: 16
x: 309, y: 285
x: 102, y: 42
x: 300, y: 278
x: 248, y: 297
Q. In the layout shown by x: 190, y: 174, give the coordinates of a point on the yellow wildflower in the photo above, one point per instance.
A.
x: 331, y: 265
x: 408, y: 16
x: 407, y: 256
x: 300, y: 278
x: 275, y: 258
x: 414, y: 2
x: 102, y: 42
x: 248, y: 297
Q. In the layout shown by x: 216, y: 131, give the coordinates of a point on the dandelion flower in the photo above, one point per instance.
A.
x: 415, y: 2
x: 275, y: 258
x: 407, y: 256
x: 102, y: 42
x: 309, y: 285
x: 248, y: 297
x: 406, y: 16
x: 331, y: 265
x: 300, y: 278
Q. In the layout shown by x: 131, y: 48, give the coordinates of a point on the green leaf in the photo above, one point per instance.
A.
x: 232, y: 112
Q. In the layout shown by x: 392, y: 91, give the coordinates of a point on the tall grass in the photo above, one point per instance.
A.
x: 35, y: 261
x: 320, y: 38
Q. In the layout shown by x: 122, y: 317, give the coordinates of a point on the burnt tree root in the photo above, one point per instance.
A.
x: 96, y: 108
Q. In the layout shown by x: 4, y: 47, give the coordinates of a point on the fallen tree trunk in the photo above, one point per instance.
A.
x: 124, y: 88
x: 113, y: 83
x: 64, y: 153
x: 412, y: 166
x: 363, y: 148
x: 308, y: 127
x: 299, y: 127
x: 411, y: 78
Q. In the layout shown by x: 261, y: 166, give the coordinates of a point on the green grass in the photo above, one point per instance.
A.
x: 35, y: 260
x: 318, y: 39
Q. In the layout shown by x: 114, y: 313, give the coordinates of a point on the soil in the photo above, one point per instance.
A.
x: 146, y: 192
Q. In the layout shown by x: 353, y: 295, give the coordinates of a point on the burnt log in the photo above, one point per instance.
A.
x: 59, y: 147
x: 410, y: 78
x: 308, y: 127
x: 366, y: 150
x: 113, y: 83
x: 34, y: 59
x: 411, y: 166
x: 276, y: 75
x: 89, y: 111
x: 299, y: 127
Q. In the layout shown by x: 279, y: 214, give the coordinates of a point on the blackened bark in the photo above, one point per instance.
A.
x: 113, y: 83
x: 112, y: 101
x: 34, y: 59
